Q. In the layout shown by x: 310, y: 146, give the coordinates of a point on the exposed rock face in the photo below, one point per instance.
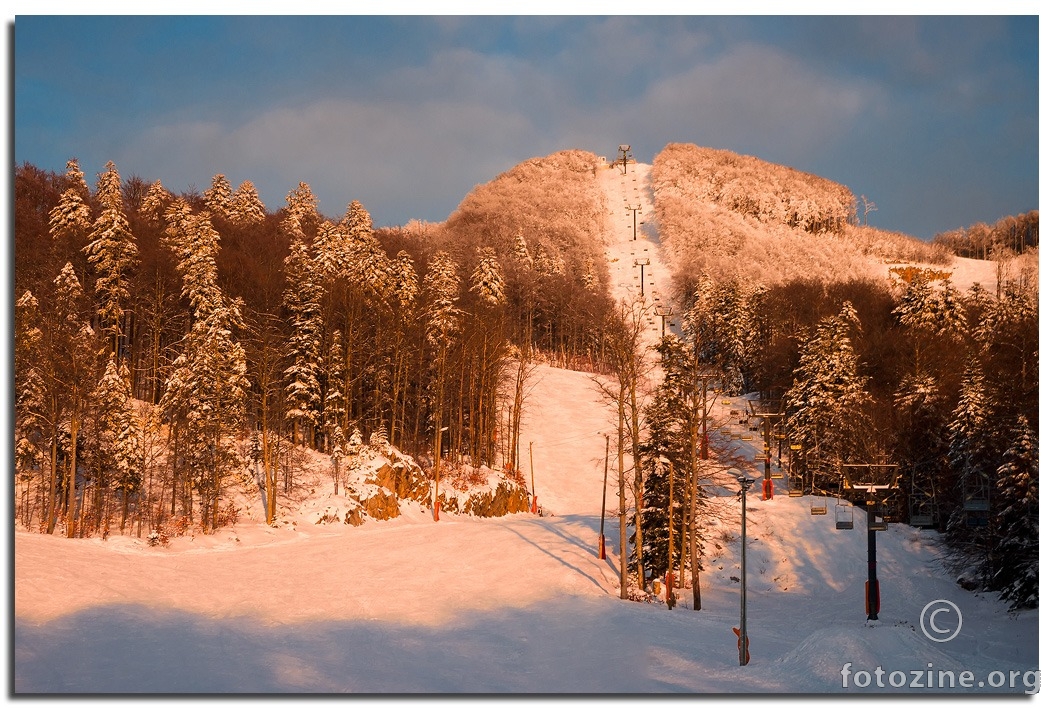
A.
x: 405, y: 479
x: 448, y: 505
x: 401, y: 478
x: 383, y: 505
x: 505, y: 499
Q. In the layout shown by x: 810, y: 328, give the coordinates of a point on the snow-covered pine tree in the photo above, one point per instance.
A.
x: 205, y: 392
x: 405, y: 290
x: 71, y: 217
x: 488, y: 282
x: 302, y: 299
x: 334, y: 412
x: 715, y: 319
x: 245, y: 206
x: 113, y: 254
x: 931, y: 310
x: 825, y: 405
x: 441, y: 288
x: 521, y: 253
x: 71, y: 367
x: 157, y: 199
x: 757, y: 335
x: 30, y: 400
x: 404, y: 277
x: 118, y: 437
x: 972, y: 451
x: 666, y: 418
x: 1016, y: 557
x: 589, y: 276
x: 302, y: 205
x: 195, y: 245
x: 218, y: 197
x: 357, y: 221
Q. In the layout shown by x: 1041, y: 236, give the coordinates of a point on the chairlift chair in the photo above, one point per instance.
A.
x: 876, y: 521
x: 843, y: 515
x: 795, y: 486
x: 815, y: 507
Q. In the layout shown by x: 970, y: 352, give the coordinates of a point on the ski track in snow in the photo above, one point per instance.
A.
x: 519, y: 604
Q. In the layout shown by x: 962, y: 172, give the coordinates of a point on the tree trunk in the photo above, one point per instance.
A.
x: 623, y: 567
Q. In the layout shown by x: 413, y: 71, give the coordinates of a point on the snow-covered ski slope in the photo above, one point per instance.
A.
x: 632, y: 241
x: 519, y: 604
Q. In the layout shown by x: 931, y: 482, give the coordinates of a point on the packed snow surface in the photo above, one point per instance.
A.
x: 517, y: 604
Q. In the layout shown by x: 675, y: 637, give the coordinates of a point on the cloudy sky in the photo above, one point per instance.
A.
x: 934, y: 119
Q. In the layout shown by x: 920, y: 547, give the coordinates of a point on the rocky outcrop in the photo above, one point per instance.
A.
x: 503, y: 499
x: 403, y: 478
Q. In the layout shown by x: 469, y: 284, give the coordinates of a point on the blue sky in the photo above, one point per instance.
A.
x: 934, y: 119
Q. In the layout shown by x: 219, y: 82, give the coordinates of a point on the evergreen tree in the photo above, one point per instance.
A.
x: 153, y: 206
x: 357, y: 221
x: 205, y: 392
x: 218, y: 197
x: 715, y: 315
x: 71, y: 369
x: 302, y: 206
x: 30, y: 392
x: 113, y: 254
x: 71, y: 216
x: 441, y: 286
x: 245, y: 207
x: 1016, y: 556
x: 972, y: 453
x: 334, y: 412
x: 443, y: 323
x: 487, y: 279
x: 118, y: 438
x: 666, y: 457
x: 825, y: 405
x: 302, y: 300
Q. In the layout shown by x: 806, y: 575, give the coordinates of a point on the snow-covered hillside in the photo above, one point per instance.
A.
x: 515, y: 604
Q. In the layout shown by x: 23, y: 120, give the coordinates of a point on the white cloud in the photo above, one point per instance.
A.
x: 756, y: 95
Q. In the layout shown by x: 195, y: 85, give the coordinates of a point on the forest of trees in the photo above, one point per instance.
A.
x: 1011, y: 235
x: 166, y: 344
x: 941, y: 383
x: 734, y: 215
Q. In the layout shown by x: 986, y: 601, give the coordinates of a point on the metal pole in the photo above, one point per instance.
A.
x: 872, y: 566
x: 604, y: 498
x: 744, y: 484
x: 534, y: 497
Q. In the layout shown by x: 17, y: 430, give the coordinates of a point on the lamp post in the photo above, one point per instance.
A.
x: 744, y: 653
x: 642, y: 262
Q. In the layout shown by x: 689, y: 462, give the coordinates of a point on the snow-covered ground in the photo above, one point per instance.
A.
x: 518, y: 604
x: 628, y: 196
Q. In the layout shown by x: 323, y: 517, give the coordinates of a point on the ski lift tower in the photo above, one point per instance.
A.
x: 876, y: 483
x: 623, y: 157
x: 768, y: 410
x: 642, y: 262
